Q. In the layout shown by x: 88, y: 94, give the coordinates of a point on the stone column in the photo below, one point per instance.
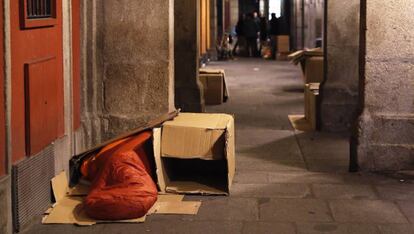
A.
x: 386, y: 126
x: 90, y: 133
x: 340, y: 89
x: 188, y: 94
x: 138, y: 62
x: 128, y: 65
x: 213, y: 30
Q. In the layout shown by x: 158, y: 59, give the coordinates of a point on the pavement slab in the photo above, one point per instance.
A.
x: 366, y: 211
x: 295, y: 210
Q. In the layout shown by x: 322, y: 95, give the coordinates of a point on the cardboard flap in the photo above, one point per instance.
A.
x: 230, y: 152
x: 162, y: 179
x: 226, y: 93
x: 203, y: 121
x: 192, y: 143
x: 76, y: 161
x: 301, y: 55
x: 60, y: 186
x: 193, y: 136
x: 211, y: 71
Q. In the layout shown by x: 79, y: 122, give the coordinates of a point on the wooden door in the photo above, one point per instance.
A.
x: 37, y: 117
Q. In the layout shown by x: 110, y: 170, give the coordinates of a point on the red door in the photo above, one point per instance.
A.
x: 37, y: 117
x: 2, y: 122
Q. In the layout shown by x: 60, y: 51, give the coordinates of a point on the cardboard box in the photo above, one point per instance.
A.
x: 213, y: 86
x: 314, y: 69
x: 311, y: 102
x: 204, y: 73
x: 312, y: 64
x: 283, y: 43
x: 308, y: 122
x: 301, y: 55
x: 195, y: 154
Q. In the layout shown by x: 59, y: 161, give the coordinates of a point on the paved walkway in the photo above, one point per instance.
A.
x: 287, y: 181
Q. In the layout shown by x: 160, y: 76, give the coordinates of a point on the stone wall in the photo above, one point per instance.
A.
x: 340, y: 91
x: 5, y: 204
x: 386, y: 126
x: 128, y: 65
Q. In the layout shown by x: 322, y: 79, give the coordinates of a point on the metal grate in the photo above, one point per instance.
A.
x: 39, y: 9
x: 31, y: 187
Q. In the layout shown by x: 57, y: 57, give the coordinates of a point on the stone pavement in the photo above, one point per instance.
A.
x: 287, y: 181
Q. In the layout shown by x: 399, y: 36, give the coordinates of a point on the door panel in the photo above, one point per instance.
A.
x: 42, y: 106
x: 41, y: 40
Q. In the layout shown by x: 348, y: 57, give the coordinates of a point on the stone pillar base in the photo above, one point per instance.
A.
x: 186, y: 99
x: 387, y: 145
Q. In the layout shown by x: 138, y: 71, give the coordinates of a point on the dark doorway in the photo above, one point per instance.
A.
x: 248, y: 6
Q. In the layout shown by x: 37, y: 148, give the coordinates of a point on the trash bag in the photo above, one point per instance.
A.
x: 122, y: 186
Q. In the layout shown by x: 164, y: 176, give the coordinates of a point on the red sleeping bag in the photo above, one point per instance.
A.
x: 122, y: 187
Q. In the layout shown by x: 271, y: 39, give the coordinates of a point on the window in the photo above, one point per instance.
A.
x: 275, y: 6
x: 38, y: 13
x: 39, y: 9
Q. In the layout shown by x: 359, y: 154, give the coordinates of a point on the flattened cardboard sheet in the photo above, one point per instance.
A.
x: 69, y: 209
x: 78, y: 190
x: 60, y: 186
x: 183, y: 207
x: 300, y: 123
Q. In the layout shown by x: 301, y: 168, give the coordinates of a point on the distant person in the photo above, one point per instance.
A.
x: 274, y: 32
x: 263, y: 32
x: 256, y: 18
x: 250, y: 31
x: 240, y: 34
x: 225, y: 50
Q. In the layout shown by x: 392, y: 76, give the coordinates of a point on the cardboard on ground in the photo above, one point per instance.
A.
x: 300, y: 123
x: 68, y: 208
